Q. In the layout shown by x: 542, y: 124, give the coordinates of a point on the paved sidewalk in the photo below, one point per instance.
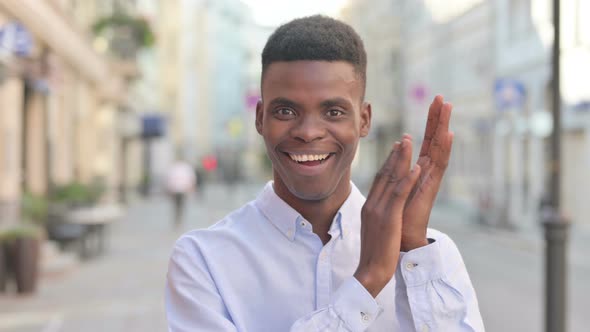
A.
x: 456, y: 218
x: 121, y: 291
x: 507, y: 271
x: 115, y: 292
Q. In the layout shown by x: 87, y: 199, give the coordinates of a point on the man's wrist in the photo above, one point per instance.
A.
x: 371, y: 282
x: 412, y: 244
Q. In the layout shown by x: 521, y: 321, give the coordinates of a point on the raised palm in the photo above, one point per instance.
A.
x: 433, y: 160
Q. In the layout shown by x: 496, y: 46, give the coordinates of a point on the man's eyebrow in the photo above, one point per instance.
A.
x: 283, y: 102
x: 338, y: 101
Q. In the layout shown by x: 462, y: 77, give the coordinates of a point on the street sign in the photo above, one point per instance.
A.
x: 153, y: 125
x: 509, y: 93
x: 15, y: 39
x: 418, y: 93
x: 583, y: 106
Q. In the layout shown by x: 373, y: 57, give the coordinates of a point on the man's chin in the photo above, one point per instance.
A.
x: 312, y: 193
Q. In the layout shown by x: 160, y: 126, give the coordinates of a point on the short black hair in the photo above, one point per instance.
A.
x: 319, y: 38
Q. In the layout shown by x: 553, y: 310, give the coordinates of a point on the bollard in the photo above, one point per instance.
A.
x: 556, y: 237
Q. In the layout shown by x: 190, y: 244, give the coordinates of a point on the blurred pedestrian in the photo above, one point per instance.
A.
x: 199, y: 182
x: 180, y: 182
x: 311, y: 253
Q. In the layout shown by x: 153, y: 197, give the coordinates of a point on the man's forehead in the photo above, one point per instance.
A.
x: 310, y: 74
x: 311, y: 66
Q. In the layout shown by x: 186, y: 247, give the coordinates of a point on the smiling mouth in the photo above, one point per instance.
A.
x: 309, y: 159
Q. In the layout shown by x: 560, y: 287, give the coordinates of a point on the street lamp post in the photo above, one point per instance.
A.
x: 555, y: 225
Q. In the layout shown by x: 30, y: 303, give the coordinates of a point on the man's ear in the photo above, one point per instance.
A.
x: 366, y: 114
x: 259, y: 115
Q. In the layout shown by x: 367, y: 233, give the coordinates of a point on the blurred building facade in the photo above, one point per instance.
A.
x: 492, y: 59
x: 385, y: 74
x: 255, y: 163
x: 575, y: 78
x: 63, y: 92
x: 204, y: 70
x: 523, y: 41
x: 448, y: 51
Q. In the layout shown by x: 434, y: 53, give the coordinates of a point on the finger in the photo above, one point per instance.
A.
x: 432, y: 173
x: 402, y: 167
x: 395, y: 202
x: 440, y: 149
x: 404, y: 187
x: 382, y: 175
x: 444, y: 118
x: 448, y: 148
x: 416, y: 187
x: 440, y: 161
x: 401, y: 170
x: 431, y: 123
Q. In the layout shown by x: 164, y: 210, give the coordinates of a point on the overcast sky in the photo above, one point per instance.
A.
x: 275, y: 12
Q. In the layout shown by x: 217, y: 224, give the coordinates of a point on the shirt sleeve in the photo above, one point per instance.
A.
x: 438, y: 290
x: 352, y: 309
x: 193, y: 301
x: 432, y: 294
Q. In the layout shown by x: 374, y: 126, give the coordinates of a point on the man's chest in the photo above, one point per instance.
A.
x: 275, y: 288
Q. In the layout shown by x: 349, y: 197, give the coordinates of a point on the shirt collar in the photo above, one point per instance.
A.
x: 285, y: 218
x: 349, y: 214
x: 281, y: 214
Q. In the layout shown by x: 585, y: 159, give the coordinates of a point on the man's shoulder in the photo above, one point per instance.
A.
x: 231, y: 228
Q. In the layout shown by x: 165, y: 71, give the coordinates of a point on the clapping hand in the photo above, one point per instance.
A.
x: 433, y: 160
x: 396, y: 214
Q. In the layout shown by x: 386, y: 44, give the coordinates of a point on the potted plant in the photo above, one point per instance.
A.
x: 76, y: 194
x: 34, y: 208
x: 21, y: 246
x: 62, y: 200
x: 125, y: 34
x: 70, y: 199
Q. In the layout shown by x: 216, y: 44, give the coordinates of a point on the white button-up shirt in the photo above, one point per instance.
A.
x: 262, y: 268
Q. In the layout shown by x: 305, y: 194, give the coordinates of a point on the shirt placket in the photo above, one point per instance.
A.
x: 324, y: 275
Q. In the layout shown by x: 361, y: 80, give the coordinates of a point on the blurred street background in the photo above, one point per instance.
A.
x: 98, y: 98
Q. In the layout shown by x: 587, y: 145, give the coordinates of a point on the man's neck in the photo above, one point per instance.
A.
x: 320, y: 213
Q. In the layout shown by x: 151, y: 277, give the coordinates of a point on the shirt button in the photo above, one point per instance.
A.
x: 410, y: 266
x: 425, y: 328
x: 303, y: 223
x: 365, y: 317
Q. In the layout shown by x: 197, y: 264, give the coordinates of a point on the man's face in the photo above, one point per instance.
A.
x: 311, y: 118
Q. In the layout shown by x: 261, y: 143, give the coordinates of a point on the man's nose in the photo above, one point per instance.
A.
x: 309, y: 129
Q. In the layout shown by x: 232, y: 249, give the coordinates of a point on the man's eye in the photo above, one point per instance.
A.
x: 285, y: 112
x: 335, y: 113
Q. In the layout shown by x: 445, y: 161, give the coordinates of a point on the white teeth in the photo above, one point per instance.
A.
x: 308, y: 157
